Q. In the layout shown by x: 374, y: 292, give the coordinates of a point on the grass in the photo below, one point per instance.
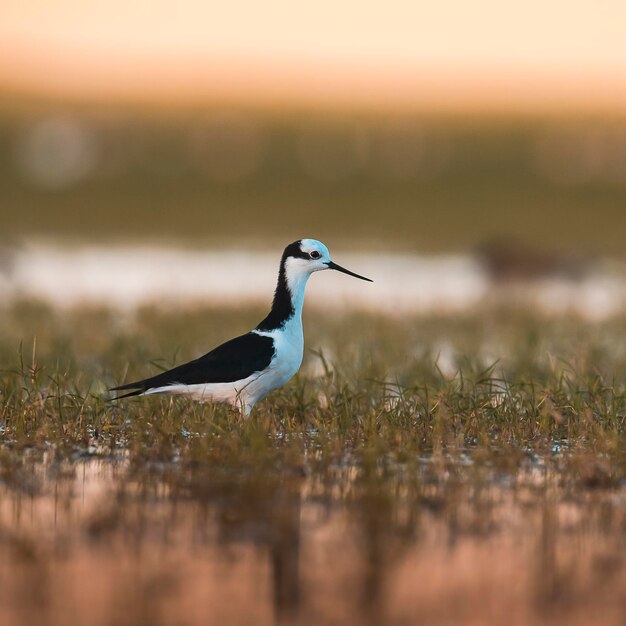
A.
x: 413, y: 470
x: 400, y: 387
x: 413, y: 385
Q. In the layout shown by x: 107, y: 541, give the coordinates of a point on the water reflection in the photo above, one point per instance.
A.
x: 102, y: 542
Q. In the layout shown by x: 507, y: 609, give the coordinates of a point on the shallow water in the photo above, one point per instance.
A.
x: 128, y: 277
x: 107, y: 542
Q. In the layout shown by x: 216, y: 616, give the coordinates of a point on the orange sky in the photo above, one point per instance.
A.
x: 563, y: 54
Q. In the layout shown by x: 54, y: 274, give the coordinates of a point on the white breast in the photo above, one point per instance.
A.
x: 289, y: 349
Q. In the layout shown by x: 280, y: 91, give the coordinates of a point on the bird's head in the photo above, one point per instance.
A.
x: 305, y: 256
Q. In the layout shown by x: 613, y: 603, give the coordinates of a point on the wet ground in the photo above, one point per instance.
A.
x: 421, y: 470
x: 447, y: 540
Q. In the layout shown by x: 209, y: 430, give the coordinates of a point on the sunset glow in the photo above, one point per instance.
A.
x: 448, y: 54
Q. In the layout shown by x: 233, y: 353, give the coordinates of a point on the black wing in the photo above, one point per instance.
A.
x: 234, y: 360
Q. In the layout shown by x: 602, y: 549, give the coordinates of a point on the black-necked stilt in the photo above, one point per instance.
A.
x: 244, y: 370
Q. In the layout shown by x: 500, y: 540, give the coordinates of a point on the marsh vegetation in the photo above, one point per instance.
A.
x: 458, y: 469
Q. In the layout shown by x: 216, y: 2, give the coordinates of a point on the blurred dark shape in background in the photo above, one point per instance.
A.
x: 509, y: 260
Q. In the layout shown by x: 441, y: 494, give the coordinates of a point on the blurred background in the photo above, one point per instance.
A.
x: 492, y: 132
x: 453, y: 450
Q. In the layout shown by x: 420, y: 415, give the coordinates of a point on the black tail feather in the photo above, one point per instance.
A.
x: 134, y: 389
x: 136, y: 392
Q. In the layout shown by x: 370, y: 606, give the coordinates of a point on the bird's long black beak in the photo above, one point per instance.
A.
x: 334, y: 266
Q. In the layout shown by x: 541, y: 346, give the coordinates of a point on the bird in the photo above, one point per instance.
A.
x: 244, y: 370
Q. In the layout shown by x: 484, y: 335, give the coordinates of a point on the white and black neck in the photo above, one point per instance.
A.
x: 289, y: 295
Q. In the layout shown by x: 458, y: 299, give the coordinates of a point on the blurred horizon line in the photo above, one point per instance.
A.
x: 516, y: 92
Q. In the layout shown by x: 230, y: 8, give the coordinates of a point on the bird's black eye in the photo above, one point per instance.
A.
x: 315, y: 254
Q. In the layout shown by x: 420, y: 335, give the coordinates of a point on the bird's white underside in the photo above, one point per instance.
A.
x: 245, y: 393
